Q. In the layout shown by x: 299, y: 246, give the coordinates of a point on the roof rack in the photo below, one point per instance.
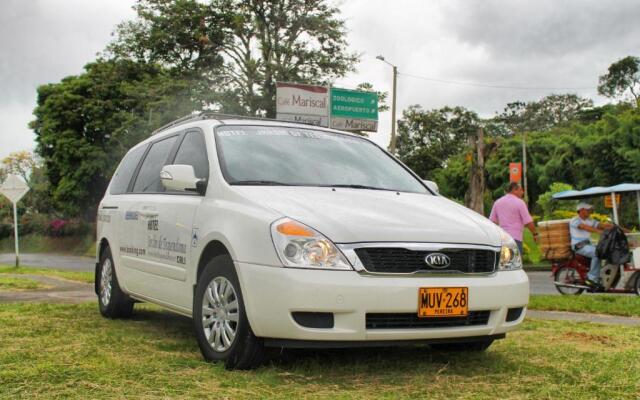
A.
x: 215, y: 115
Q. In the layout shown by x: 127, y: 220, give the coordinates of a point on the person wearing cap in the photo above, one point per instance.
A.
x: 581, y: 227
x: 511, y: 213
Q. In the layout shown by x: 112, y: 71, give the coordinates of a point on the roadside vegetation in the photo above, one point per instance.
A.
x: 38, y: 243
x: 79, y: 354
x: 614, y: 304
x: 80, y: 276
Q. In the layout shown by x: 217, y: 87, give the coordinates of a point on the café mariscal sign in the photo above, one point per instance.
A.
x: 322, y: 106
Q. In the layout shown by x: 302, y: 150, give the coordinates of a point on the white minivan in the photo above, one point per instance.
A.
x: 275, y: 234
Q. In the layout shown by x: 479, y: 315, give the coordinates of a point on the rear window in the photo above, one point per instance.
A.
x: 124, y: 173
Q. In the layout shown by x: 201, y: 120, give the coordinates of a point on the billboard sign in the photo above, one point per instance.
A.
x: 354, y: 110
x: 302, y: 103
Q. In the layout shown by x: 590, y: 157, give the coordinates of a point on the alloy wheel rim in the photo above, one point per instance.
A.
x: 220, y: 314
x: 105, y: 282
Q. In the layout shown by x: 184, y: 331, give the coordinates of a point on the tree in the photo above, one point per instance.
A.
x: 427, y: 139
x: 237, y: 49
x: 544, y: 114
x: 622, y: 76
x: 548, y: 205
x: 19, y: 163
x: 85, y: 123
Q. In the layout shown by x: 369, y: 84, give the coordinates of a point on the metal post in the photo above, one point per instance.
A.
x: 615, y: 208
x: 15, y: 231
x: 638, y: 199
x: 330, y: 101
x: 392, y: 145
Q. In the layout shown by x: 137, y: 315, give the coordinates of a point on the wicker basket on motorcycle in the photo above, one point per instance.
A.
x: 555, y: 239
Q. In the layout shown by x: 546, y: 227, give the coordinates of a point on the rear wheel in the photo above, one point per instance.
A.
x: 637, y: 284
x: 219, y: 318
x: 477, y: 346
x: 570, y: 276
x: 112, y: 301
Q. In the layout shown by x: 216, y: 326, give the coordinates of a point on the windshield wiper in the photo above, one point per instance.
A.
x: 262, y: 183
x: 358, y: 187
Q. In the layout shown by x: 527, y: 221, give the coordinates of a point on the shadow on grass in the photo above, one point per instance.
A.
x: 344, y: 364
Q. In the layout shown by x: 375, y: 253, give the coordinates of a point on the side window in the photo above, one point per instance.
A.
x: 193, y: 151
x: 122, y: 177
x: 148, y: 179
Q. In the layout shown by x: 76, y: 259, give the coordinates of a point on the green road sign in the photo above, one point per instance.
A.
x: 353, y: 104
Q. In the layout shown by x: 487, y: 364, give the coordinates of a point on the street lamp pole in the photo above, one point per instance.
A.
x: 392, y: 144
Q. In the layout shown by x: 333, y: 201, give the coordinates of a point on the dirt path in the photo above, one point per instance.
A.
x: 584, y: 317
x: 66, y: 291
x: 59, y: 291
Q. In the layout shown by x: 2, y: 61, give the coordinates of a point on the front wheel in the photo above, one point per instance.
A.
x: 477, y: 346
x: 570, y: 276
x: 219, y: 318
x: 112, y: 301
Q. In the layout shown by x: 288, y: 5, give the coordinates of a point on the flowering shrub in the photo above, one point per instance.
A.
x: 56, y: 227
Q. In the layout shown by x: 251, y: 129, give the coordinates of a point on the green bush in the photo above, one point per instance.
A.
x: 34, y: 223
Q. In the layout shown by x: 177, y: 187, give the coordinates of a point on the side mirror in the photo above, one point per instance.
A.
x: 431, y: 185
x: 181, y: 178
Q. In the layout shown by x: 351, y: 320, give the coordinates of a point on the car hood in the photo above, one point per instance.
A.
x: 347, y: 215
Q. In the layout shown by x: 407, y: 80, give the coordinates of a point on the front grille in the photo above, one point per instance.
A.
x: 411, y: 321
x: 400, y: 260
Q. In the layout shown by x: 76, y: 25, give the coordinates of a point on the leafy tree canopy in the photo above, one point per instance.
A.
x: 427, y: 139
x: 85, y: 123
x: 239, y: 49
x: 544, y: 114
x: 622, y: 76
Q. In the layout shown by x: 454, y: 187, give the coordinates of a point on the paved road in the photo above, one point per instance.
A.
x: 540, y: 282
x: 57, y: 261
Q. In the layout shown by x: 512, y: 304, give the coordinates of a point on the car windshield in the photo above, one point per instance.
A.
x: 290, y: 156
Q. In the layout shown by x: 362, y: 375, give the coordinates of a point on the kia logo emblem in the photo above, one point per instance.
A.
x: 437, y: 260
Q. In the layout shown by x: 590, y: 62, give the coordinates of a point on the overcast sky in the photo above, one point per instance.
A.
x: 543, y: 44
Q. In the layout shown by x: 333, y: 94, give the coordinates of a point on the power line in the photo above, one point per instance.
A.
x: 486, y: 85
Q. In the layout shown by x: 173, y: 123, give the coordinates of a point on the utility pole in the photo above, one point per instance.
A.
x: 524, y: 167
x: 392, y: 143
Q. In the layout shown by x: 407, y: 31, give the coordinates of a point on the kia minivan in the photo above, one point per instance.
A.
x: 274, y: 234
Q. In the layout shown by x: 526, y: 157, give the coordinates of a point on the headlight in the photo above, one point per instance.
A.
x: 299, y: 246
x: 510, y: 257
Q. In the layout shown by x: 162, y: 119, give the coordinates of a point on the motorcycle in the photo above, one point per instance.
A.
x: 570, y: 275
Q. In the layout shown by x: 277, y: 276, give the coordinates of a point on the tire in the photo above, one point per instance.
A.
x: 476, y: 347
x: 220, y: 321
x: 571, y: 276
x: 637, y: 284
x: 112, y: 301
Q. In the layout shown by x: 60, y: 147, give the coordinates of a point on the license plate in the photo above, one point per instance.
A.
x: 443, y: 302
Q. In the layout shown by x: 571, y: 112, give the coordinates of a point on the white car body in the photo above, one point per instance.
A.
x: 160, y: 242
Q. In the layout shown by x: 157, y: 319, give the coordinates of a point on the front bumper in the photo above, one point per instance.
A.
x: 271, y: 294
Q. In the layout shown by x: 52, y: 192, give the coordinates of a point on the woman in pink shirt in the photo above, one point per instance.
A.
x: 511, y: 213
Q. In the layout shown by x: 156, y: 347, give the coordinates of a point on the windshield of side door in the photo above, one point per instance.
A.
x: 291, y: 156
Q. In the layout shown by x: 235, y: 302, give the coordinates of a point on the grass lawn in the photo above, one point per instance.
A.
x: 10, y: 283
x: 615, y: 304
x: 70, y: 351
x: 79, y: 276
